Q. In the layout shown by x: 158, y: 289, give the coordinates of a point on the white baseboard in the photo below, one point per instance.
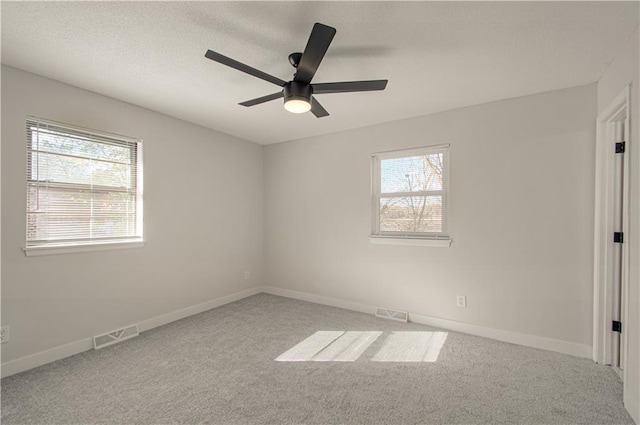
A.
x: 550, y: 344
x: 195, y: 309
x: 38, y: 359
x: 47, y: 356
x: 632, y: 406
x: 76, y: 347
x: 544, y: 343
x: 318, y: 299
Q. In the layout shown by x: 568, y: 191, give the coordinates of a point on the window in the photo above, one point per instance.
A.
x: 410, y: 194
x: 84, y: 188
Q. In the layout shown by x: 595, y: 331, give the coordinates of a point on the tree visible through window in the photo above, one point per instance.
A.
x: 410, y: 193
x: 83, y: 187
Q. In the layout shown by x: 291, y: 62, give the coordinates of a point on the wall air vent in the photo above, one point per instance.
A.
x: 387, y: 313
x: 113, y: 337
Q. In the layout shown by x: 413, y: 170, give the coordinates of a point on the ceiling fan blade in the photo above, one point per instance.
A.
x: 317, y: 109
x: 262, y: 99
x: 349, y: 86
x: 317, y: 46
x: 214, y: 56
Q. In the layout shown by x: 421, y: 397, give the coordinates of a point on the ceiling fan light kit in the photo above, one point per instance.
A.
x: 297, y: 106
x: 298, y: 93
x: 297, y: 97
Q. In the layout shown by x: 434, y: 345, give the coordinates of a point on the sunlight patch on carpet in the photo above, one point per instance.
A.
x: 347, y: 348
x: 331, y: 346
x: 308, y: 348
x: 411, y: 347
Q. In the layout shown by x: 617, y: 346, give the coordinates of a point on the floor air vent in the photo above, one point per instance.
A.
x: 113, y: 337
x: 387, y: 313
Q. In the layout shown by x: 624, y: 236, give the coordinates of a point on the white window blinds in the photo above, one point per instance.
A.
x: 83, y: 187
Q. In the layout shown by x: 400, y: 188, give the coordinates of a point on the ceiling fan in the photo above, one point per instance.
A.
x: 299, y: 93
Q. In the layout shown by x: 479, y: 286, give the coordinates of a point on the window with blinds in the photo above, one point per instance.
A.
x: 410, y: 193
x: 83, y: 187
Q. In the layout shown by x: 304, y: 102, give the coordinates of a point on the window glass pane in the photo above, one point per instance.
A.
x: 43, y: 199
x: 411, y: 214
x: 412, y: 174
x: 64, y: 169
x: 59, y: 214
x: 56, y: 142
x: 54, y: 227
x: 51, y: 227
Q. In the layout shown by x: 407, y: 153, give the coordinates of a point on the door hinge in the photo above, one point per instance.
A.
x: 620, y: 147
x: 618, y: 237
x: 616, y: 326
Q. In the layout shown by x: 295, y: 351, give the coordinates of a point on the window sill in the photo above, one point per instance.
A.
x: 70, y: 249
x: 394, y: 240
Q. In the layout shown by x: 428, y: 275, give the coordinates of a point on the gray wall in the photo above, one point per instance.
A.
x: 203, y: 211
x: 522, y: 196
x: 622, y: 71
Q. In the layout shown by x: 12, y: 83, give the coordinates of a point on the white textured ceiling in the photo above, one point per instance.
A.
x: 436, y: 55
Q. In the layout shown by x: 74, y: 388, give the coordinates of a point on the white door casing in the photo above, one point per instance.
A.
x: 611, y: 261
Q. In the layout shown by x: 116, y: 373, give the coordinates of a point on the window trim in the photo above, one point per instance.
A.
x: 409, y: 238
x: 69, y: 249
x: 98, y: 244
x: 414, y: 241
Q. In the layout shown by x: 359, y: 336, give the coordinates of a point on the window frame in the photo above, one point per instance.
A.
x: 61, y: 246
x: 410, y: 238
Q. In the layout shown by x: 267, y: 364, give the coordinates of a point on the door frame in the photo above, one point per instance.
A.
x: 603, y: 232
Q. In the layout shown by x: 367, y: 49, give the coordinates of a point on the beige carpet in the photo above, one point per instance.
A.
x: 219, y: 367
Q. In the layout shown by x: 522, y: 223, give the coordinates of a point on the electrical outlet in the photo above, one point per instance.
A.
x: 4, y: 334
x: 461, y: 301
x: 247, y: 275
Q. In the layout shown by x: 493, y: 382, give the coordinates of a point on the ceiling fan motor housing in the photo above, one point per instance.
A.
x: 295, y: 90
